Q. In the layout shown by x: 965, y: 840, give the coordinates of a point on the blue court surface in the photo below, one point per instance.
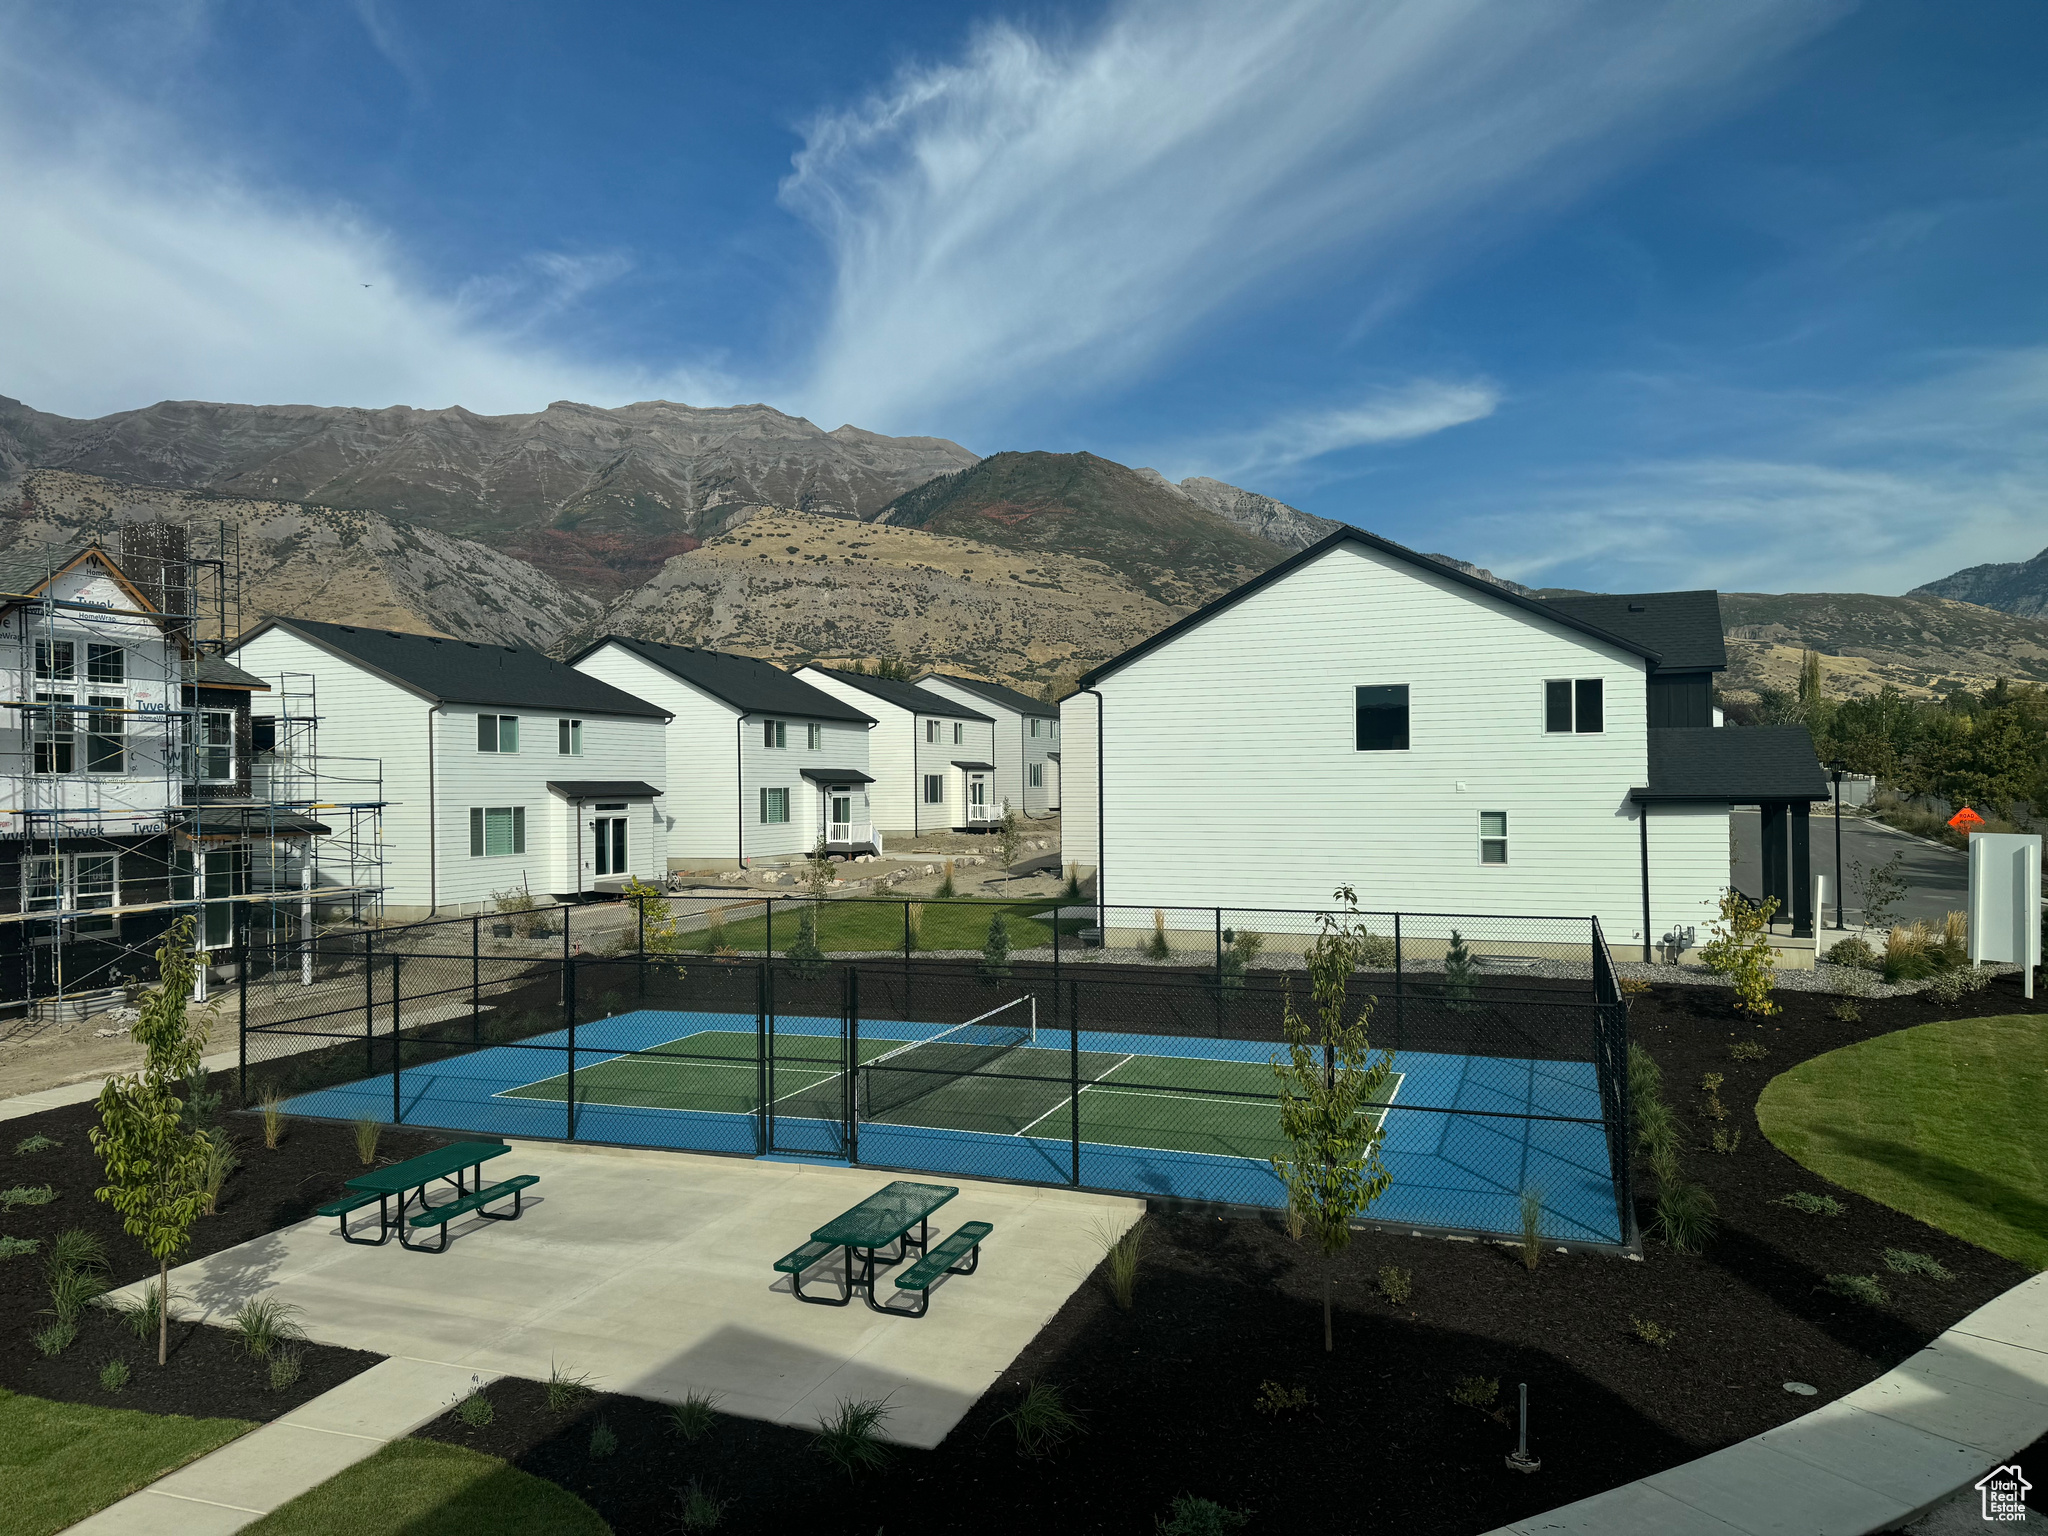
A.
x: 1170, y: 1116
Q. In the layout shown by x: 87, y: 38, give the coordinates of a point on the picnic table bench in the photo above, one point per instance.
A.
x: 887, y: 1217
x: 407, y: 1182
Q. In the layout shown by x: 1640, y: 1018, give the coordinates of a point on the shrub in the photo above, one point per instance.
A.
x: 1953, y: 942
x: 368, y: 1131
x: 849, y: 1438
x: 1726, y: 1141
x: 1686, y: 1216
x: 76, y: 1248
x: 1461, y: 975
x: 199, y: 1106
x: 1956, y: 983
x: 28, y: 1146
x: 262, y: 1323
x: 1854, y: 952
x: 1478, y: 1392
x: 218, y: 1167
x: 1121, y: 1253
x: 1397, y: 1285
x: 1710, y: 1090
x: 144, y: 1317
x: 1041, y: 1420
x: 1532, y: 1224
x: 55, y: 1339
x: 1902, y: 1261
x: 1741, y: 950
x: 1811, y: 1204
x: 1192, y: 1516
x: 1073, y: 890
x: 17, y: 1247
x: 24, y: 1194
x: 1242, y: 947
x: 603, y: 1440
x: 805, y: 957
x: 565, y: 1391
x: 114, y: 1375
x: 1846, y: 1010
x: 995, y: 949
x: 946, y: 892
x: 273, y: 1118
x: 1748, y: 1050
x: 72, y: 1291
x: 1863, y: 1288
x: 1376, y: 952
x: 1656, y: 1335
x: 1156, y: 947
x: 1905, y: 954
x: 285, y: 1367
x: 1277, y: 1402
x: 694, y: 1417
x: 475, y: 1410
x: 698, y: 1509
x: 1633, y: 987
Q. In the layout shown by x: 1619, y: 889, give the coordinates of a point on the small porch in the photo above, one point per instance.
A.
x: 843, y: 817
x: 981, y: 809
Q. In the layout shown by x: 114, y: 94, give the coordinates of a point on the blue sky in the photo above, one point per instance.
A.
x: 1607, y: 295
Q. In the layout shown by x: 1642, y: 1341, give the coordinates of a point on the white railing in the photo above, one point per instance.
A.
x: 839, y: 832
x: 989, y: 811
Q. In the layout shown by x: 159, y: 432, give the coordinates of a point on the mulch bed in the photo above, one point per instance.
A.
x: 207, y: 1375
x: 1170, y: 1389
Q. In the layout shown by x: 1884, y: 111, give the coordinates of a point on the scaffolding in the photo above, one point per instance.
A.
x: 134, y: 794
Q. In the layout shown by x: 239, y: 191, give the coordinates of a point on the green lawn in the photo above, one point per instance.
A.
x: 1943, y: 1122
x: 424, y: 1488
x: 61, y: 1461
x: 862, y: 925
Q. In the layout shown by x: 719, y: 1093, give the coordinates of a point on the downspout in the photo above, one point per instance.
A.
x: 739, y: 771
x: 578, y: 814
x: 1101, y: 822
x: 433, y: 832
x: 1643, y: 833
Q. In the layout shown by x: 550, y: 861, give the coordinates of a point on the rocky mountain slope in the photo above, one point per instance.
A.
x: 2020, y: 587
x: 1916, y: 643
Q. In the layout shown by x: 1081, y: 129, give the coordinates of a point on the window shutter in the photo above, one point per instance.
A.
x: 1592, y: 708
x: 1557, y: 705
x: 476, y: 832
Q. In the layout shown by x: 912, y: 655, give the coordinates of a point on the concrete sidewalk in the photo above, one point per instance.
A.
x: 1872, y: 1461
x: 248, y: 1478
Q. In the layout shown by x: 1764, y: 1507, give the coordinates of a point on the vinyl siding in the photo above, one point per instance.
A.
x: 1079, y: 790
x: 1239, y: 737
x: 1689, y: 868
x: 1015, y: 748
x: 895, y: 798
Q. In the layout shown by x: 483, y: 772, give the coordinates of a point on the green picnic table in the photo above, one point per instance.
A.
x: 408, y: 1181
x: 885, y: 1217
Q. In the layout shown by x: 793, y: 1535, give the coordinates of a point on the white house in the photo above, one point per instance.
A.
x: 1026, y: 736
x: 933, y: 760
x: 763, y: 765
x: 1363, y: 715
x: 504, y: 769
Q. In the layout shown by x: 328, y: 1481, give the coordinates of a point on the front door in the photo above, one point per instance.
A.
x: 842, y: 818
x: 610, y: 835
x: 977, y: 798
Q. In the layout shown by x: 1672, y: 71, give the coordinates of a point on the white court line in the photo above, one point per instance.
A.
x: 1069, y: 1098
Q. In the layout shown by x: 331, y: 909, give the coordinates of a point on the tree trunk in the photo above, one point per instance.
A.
x: 1329, y: 1337
x: 163, y: 1311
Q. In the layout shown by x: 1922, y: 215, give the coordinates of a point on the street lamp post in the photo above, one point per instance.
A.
x: 1837, y: 767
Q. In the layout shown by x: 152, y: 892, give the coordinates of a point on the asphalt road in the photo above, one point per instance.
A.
x: 1937, y: 879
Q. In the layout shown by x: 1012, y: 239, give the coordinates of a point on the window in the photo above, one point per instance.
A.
x: 105, y: 749
x: 931, y: 730
x: 1035, y: 724
x: 52, y: 729
x: 1383, y: 718
x: 1037, y: 779
x: 106, y: 664
x: 935, y: 789
x: 814, y: 737
x: 42, y: 884
x: 1493, y: 837
x: 609, y: 840
x: 497, y: 733
x: 93, y: 887
x: 216, y: 745
x: 496, y: 830
x: 959, y: 733
x: 774, y: 806
x: 774, y: 733
x: 55, y: 659
x: 569, y: 738
x: 1574, y: 706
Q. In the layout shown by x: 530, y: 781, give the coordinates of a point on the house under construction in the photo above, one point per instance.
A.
x: 146, y: 777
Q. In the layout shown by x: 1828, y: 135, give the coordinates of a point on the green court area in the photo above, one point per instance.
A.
x: 1168, y: 1103
x: 865, y: 927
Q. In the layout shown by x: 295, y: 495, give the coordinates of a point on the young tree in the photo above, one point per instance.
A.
x: 1330, y: 1086
x: 995, y: 950
x: 155, y: 1166
x: 1461, y: 976
x: 656, y: 919
x: 1741, y: 950
x: 1009, y: 833
x: 805, y: 956
x: 818, y: 872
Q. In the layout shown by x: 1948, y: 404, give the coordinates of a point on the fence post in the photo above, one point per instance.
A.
x: 476, y: 977
x: 641, y: 903
x: 768, y: 1047
x: 1400, y: 989
x: 906, y: 932
x: 852, y: 1064
x: 569, y: 1002
x: 761, y: 1057
x: 397, y: 992
x: 768, y: 932
x: 369, y: 1002
x: 242, y: 1076
x: 1074, y: 1079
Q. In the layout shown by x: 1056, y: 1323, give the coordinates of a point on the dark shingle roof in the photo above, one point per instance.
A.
x: 28, y: 566
x: 218, y: 672
x: 467, y: 671
x: 908, y: 696
x: 996, y: 693
x: 1372, y: 541
x: 1742, y: 765
x: 1683, y: 628
x: 747, y: 683
x: 604, y: 789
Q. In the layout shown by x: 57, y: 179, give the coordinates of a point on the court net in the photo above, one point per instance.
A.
x: 903, y: 1076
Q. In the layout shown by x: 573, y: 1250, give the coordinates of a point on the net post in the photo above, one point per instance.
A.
x: 569, y: 1002
x: 397, y: 1104
x: 1074, y: 1083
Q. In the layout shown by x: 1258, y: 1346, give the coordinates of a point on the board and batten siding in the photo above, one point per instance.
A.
x: 1238, y: 738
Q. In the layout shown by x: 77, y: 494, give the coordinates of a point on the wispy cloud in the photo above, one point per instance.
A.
x: 1057, y: 212
x: 1278, y: 445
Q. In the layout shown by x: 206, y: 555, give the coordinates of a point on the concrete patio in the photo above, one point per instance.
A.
x: 650, y: 1272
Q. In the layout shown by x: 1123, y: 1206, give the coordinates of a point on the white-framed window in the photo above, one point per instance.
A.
x: 106, y: 745
x: 569, y: 738
x: 214, y: 746
x: 814, y: 737
x: 1575, y: 706
x: 1035, y: 724
x: 497, y: 733
x: 774, y: 806
x: 935, y: 789
x: 1493, y: 837
x: 1037, y: 776
x: 106, y: 664
x: 56, y: 660
x: 931, y: 731
x: 53, y: 730
x: 775, y: 733
x: 74, y: 882
x: 496, y: 831
x: 1381, y: 711
x: 609, y: 838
